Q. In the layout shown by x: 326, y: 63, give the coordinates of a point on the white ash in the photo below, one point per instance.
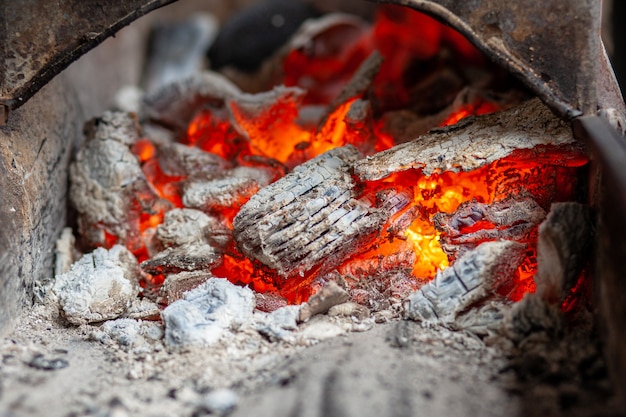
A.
x: 100, y: 286
x: 205, y: 313
x: 219, y: 402
x: 279, y: 324
x: 472, y: 278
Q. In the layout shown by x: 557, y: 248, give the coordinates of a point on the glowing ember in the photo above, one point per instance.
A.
x: 271, y: 136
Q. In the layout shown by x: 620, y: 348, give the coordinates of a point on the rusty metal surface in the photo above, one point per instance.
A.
x: 553, y: 46
x: 39, y: 38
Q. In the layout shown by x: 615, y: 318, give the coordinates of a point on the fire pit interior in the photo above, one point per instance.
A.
x: 307, y: 209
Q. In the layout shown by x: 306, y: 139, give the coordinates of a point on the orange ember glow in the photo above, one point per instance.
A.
x: 243, y: 135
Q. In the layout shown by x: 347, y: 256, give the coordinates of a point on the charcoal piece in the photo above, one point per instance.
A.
x: 269, y: 301
x: 183, y: 226
x: 177, y: 50
x: 194, y: 256
x: 204, y: 314
x: 175, y: 285
x: 254, y: 34
x: 473, y: 278
x: 175, y: 104
x: 473, y: 223
x: 231, y: 190
x: 330, y: 295
x: 178, y: 160
x: 477, y: 141
x: 563, y: 248
x: 100, y: 286
x: 107, y: 183
x: 309, y: 217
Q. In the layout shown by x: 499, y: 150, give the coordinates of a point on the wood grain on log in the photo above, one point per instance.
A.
x: 474, y: 142
x: 310, y: 217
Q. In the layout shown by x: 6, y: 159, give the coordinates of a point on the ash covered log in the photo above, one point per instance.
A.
x: 230, y: 190
x: 308, y: 218
x: 471, y: 279
x: 108, y: 188
x: 185, y: 226
x: 478, y: 141
x: 474, y: 223
x: 330, y: 295
x: 175, y: 285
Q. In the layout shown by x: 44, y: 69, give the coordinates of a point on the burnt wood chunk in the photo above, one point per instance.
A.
x: 178, y: 160
x: 474, y: 223
x: 188, y: 257
x: 107, y: 183
x: 184, y: 226
x: 176, y: 285
x: 471, y: 279
x: 308, y: 218
x: 475, y: 142
x: 563, y: 248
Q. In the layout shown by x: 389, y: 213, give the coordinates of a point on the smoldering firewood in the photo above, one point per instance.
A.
x: 308, y: 218
x: 186, y: 226
x: 330, y: 295
x: 378, y: 265
x: 100, y: 286
x: 175, y: 285
x: 107, y: 183
x: 177, y: 50
x: 475, y: 142
x: 196, y: 256
x: 474, y: 277
x: 473, y: 223
x: 231, y: 189
x: 380, y: 292
x: 563, y: 248
x: 178, y: 160
x: 175, y: 104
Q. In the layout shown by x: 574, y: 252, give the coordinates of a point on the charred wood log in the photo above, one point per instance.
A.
x: 478, y: 141
x: 108, y: 188
x: 178, y: 160
x: 175, y: 285
x: 474, y: 277
x: 186, y: 226
x: 310, y: 217
x: 330, y: 295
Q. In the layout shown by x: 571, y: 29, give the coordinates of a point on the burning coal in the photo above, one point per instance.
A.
x: 256, y: 190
